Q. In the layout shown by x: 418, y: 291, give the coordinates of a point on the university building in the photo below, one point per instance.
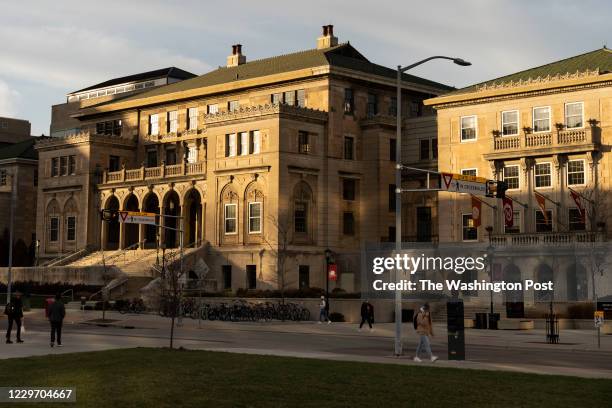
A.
x: 293, y: 154
x: 545, y: 132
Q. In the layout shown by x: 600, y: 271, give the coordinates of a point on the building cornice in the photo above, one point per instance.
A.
x: 83, y: 138
x: 262, y: 110
x: 525, y: 89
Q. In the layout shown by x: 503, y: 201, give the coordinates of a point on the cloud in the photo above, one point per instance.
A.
x: 9, y: 100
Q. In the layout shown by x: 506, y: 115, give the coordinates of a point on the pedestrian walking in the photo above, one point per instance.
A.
x: 324, y: 311
x: 57, y: 312
x: 424, y: 327
x: 14, y: 314
x: 367, y: 314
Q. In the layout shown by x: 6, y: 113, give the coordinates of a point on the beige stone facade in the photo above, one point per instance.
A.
x: 290, y: 153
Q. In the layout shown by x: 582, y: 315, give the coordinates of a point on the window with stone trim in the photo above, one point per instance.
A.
x: 71, y: 228
x: 543, y: 175
x: 154, y: 124
x: 575, y: 173
x: 192, y: 118
x: 511, y: 177
x: 254, y: 218
x: 230, y: 218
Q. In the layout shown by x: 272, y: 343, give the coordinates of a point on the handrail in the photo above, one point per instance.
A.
x: 71, y: 294
x: 65, y: 256
x: 118, y: 282
x: 124, y: 250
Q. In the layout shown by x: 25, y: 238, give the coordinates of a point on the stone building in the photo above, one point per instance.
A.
x: 13, y: 130
x: 291, y: 155
x: 543, y: 131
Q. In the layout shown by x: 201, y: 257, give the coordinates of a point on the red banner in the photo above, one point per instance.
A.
x: 542, y: 203
x: 476, y: 211
x: 508, y: 212
x: 332, y: 272
x: 578, y: 200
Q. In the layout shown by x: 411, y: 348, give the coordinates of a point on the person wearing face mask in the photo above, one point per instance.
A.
x: 424, y: 328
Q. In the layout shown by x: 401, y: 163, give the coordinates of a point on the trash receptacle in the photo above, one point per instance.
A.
x: 407, y: 315
x: 481, y: 320
x: 493, y: 319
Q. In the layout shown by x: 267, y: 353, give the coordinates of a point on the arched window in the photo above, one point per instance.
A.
x: 70, y: 220
x: 254, y: 207
x: 303, y: 208
x: 53, y: 216
x: 544, y: 274
x: 229, y: 212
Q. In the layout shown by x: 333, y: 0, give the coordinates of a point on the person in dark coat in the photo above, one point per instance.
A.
x: 14, y: 314
x: 367, y: 314
x: 57, y: 312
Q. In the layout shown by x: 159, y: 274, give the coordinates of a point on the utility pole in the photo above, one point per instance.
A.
x: 11, y: 233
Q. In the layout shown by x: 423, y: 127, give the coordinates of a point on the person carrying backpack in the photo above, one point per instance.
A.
x: 14, y: 314
x: 423, y: 326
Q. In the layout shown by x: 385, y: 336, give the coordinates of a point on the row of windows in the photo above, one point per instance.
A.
x: 242, y: 143
x: 63, y: 166
x: 230, y: 219
x: 372, y: 105
x: 191, y: 115
x: 54, y: 223
x: 541, y: 121
x: 3, y: 177
x: 109, y: 127
x: 111, y: 91
x: 575, y: 175
x: 170, y: 157
x: 293, y: 98
x: 542, y: 223
x: 251, y: 276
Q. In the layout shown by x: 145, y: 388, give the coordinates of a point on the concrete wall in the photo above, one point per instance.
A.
x: 92, y: 275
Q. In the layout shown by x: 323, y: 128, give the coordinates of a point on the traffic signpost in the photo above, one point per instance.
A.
x: 599, y: 321
x: 132, y: 217
x: 460, y: 183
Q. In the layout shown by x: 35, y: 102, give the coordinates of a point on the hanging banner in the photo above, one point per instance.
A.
x: 332, y: 272
x: 578, y: 200
x: 542, y: 204
x: 476, y: 211
x: 508, y: 212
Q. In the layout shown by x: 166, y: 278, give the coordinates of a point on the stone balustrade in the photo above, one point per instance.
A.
x: 547, y: 139
x: 153, y: 173
x: 547, y: 238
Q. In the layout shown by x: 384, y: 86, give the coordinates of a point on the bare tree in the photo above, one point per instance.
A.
x: 280, y: 250
x: 171, y: 288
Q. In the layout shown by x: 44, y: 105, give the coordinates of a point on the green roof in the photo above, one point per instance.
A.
x: 600, y: 59
x: 343, y: 55
x: 20, y: 150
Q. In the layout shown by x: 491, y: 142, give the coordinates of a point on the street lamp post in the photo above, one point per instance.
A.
x: 11, y: 231
x: 398, y: 186
x: 490, y: 256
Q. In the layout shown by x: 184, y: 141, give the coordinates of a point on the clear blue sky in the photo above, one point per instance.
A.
x: 49, y: 48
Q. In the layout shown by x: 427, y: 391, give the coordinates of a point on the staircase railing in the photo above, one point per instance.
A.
x: 124, y: 251
x: 60, y: 260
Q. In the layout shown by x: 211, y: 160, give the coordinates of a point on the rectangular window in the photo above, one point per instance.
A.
x: 254, y: 218
x: 469, y: 172
x: 172, y: 125
x: 71, y: 164
x: 2, y: 177
x: 63, y: 166
x: 233, y: 106
x: 152, y: 158
x: 117, y: 125
x: 543, y: 224
x: 212, y: 109
x: 54, y: 229
x: 303, y: 145
x: 349, y: 100
x: 114, y: 163
x: 541, y: 119
x: 255, y: 142
x: 468, y: 128
x: 275, y: 98
x: 304, y: 276
x: 348, y: 223
x: 372, y: 108
x: 154, y: 125
x: 192, y: 154
x: 251, y: 275
x: 226, y: 271
x: 575, y: 173
x: 55, y: 167
x: 300, y: 96
x: 289, y: 98
x: 230, y: 219
x: 244, y: 143
x: 543, y: 175
x: 415, y: 108
x: 470, y: 233
x: 171, y: 156
x: 300, y: 217
x: 424, y: 149
x: 392, y: 197
x: 349, y: 148
x: 230, y: 145
x: 574, y: 115
x: 100, y: 128
x: 516, y: 224
x: 71, y: 228
x: 348, y: 189
x: 392, y: 149
x: 192, y: 118
x: 511, y: 177
x: 575, y: 220
x: 510, y: 123
x: 393, y: 106
x: 434, y: 148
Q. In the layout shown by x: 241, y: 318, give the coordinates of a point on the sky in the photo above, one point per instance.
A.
x: 50, y: 48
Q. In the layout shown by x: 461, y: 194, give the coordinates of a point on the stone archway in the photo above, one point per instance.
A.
x: 577, y: 283
x: 544, y: 274
x: 151, y: 205
x: 130, y: 231
x: 112, y: 227
x: 172, y: 210
x: 193, y: 217
x: 515, y: 306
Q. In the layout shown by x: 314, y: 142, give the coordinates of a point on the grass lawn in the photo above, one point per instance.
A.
x: 145, y: 377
